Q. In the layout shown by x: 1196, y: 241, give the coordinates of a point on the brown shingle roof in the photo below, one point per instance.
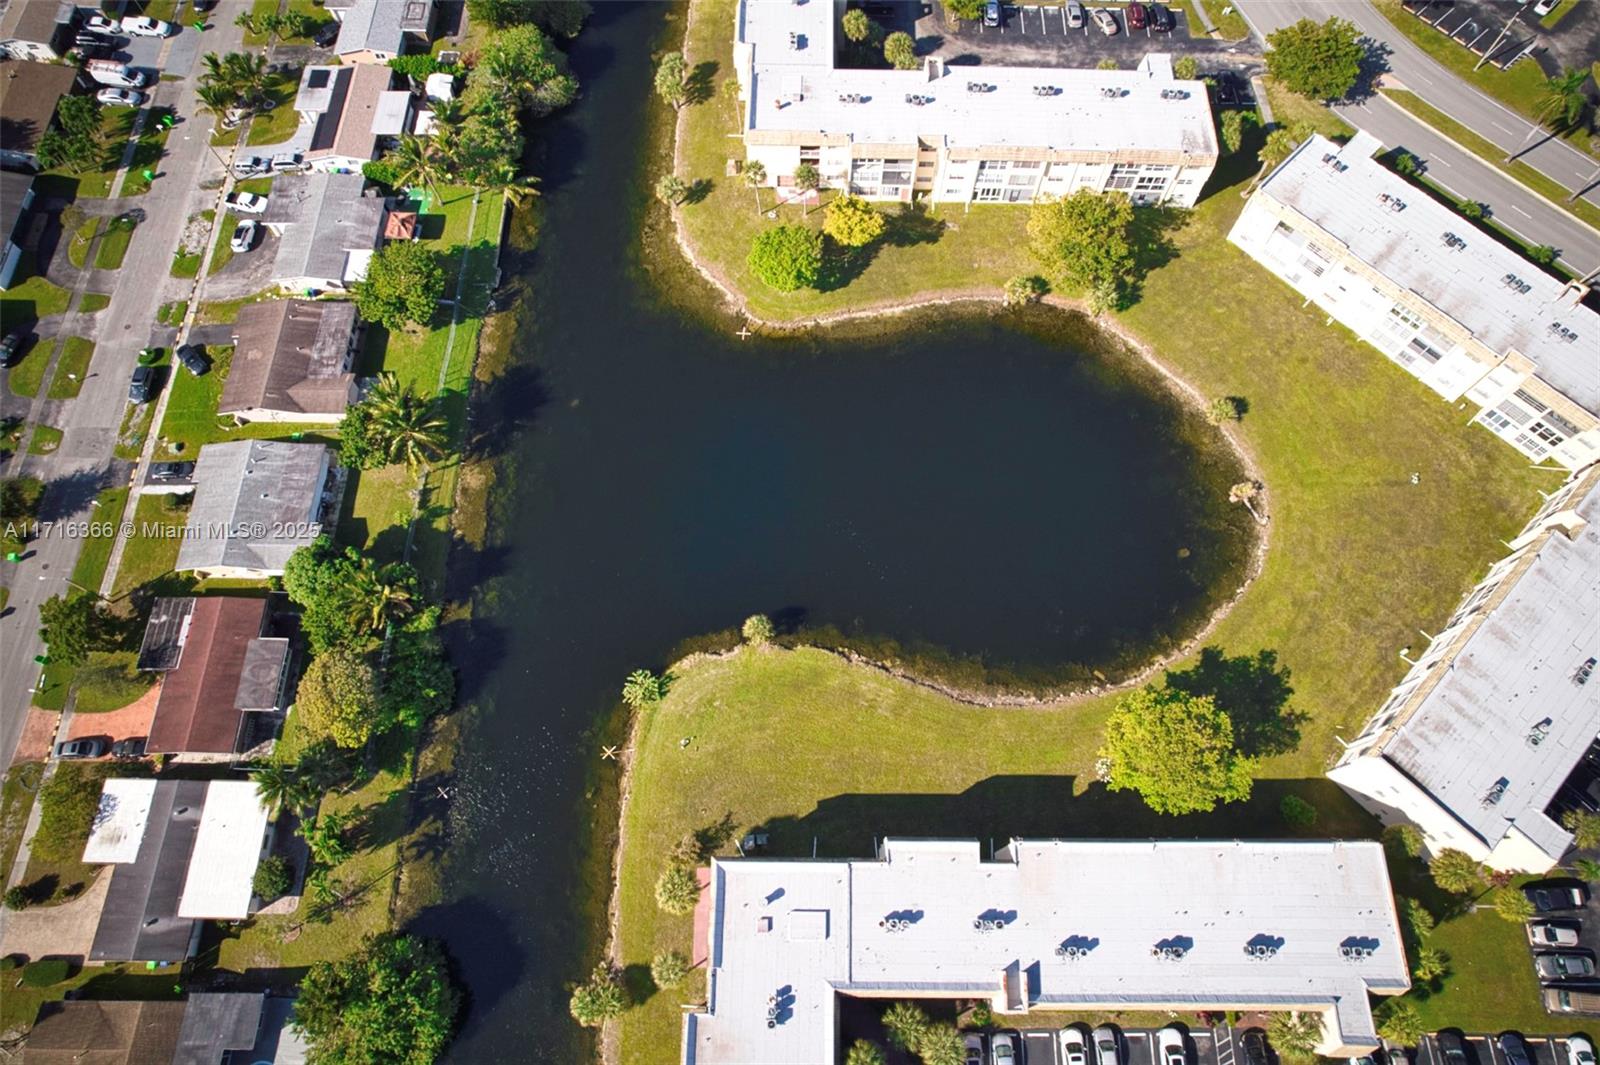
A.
x: 28, y: 95
x: 88, y: 1032
x: 367, y: 82
x: 289, y: 356
x: 196, y: 712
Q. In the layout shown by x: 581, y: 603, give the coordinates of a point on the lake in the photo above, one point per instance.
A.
x: 1001, y: 496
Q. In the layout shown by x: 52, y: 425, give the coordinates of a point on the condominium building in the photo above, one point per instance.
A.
x: 1467, y: 316
x: 1490, y: 737
x: 983, y: 134
x: 1064, y: 925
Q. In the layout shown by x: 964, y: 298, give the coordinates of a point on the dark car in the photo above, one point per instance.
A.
x: 142, y: 387
x: 1514, y: 1049
x: 1138, y: 17
x: 86, y: 748
x: 193, y: 359
x: 129, y: 748
x: 1253, y: 1044
x: 11, y: 348
x: 102, y: 50
x: 1452, y: 1048
x: 1549, y: 896
x: 1563, y: 965
x: 1161, y: 19
x: 171, y: 471
x: 327, y: 35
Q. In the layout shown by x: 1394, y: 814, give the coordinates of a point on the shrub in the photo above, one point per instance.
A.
x: 906, y: 1025
x: 1404, y: 840
x: 643, y: 688
x: 1106, y: 64
x: 598, y: 1000
x: 1543, y: 254
x: 381, y: 173
x: 1430, y: 964
x: 669, y: 968
x: 863, y: 1052
x: 274, y: 877
x: 1185, y: 67
x: 1456, y: 871
x: 1407, y: 164
x: 757, y: 629
x: 1584, y: 826
x: 10, y: 962
x: 45, y: 972
x: 1473, y: 209
x: 1295, y: 1035
x: 1512, y: 904
x: 1023, y: 289
x: 900, y: 49
x: 1297, y: 812
x: 17, y: 898
x: 1399, y: 1022
x: 1415, y: 920
x: 787, y: 257
x: 677, y: 889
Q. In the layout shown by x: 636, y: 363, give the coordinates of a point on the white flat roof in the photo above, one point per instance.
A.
x: 804, y: 931
x: 120, y: 821
x: 1467, y: 279
x: 1513, y: 677
x: 226, y: 851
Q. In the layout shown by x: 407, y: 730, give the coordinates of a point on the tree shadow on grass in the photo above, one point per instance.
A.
x: 1153, y: 247
x: 842, y: 265
x: 697, y: 89
x: 1254, y: 690
x: 698, y: 191
x: 911, y: 225
x: 640, y: 985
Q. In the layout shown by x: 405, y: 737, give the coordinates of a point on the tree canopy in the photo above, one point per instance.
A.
x: 856, y: 25
x: 417, y: 681
x: 964, y: 10
x: 564, y: 18
x: 900, y: 49
x: 338, y: 697
x: 602, y: 998
x: 1321, y: 60
x: 75, y: 141
x: 1176, y: 750
x: 390, y: 1003
x: 524, y: 68
x: 787, y: 257
x: 1456, y: 871
x: 672, y: 80
x: 71, y: 627
x: 405, y: 280
x: 324, y: 581
x: 852, y: 222
x: 1084, y: 241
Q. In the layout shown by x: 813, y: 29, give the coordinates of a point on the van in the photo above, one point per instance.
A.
x: 1567, y: 1000
x: 110, y: 72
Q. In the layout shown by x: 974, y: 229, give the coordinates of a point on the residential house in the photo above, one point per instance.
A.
x: 181, y: 852
x: 255, y: 503
x: 1490, y: 738
x: 224, y: 676
x: 291, y: 362
x: 375, y: 31
x: 962, y: 134
x: 327, y: 225
x: 28, y: 96
x: 16, y: 196
x: 1056, y: 925
x: 39, y: 30
x: 356, y: 111
x: 210, y: 1028
x: 1455, y: 308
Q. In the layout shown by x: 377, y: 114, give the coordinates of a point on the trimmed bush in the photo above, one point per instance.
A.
x: 1297, y: 812
x: 274, y: 877
x: 45, y: 972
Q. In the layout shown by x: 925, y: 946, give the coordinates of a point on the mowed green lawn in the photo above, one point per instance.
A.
x: 1359, y: 560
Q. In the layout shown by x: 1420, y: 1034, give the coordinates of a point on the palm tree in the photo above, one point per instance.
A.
x: 215, y: 98
x: 449, y: 117
x: 1246, y: 492
x: 282, y: 787
x: 387, y: 595
x: 755, y: 176
x: 515, y: 186
x: 1561, y: 106
x: 807, y: 178
x: 406, y: 428
x: 247, y: 72
x: 418, y: 161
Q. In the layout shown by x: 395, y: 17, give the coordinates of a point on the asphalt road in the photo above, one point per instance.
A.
x: 84, y: 463
x: 1437, y: 86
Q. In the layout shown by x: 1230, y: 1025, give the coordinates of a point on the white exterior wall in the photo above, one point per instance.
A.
x: 33, y: 51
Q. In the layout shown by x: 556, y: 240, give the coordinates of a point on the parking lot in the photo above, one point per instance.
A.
x: 1574, y: 42
x: 1038, y: 35
x: 1042, y: 1046
x: 1545, y: 1050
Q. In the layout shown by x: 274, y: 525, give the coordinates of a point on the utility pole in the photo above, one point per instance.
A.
x: 1489, y: 51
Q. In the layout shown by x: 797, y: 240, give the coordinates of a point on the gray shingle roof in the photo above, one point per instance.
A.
x: 215, y: 1023
x: 140, y: 921
x: 323, y: 217
x: 252, y: 501
x: 289, y: 356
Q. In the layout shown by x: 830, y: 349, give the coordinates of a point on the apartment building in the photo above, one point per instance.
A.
x: 1060, y: 925
x: 1465, y: 315
x: 1490, y: 737
x: 980, y: 134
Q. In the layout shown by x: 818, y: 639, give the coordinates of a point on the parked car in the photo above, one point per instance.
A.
x: 142, y: 386
x: 1563, y: 965
x: 1074, y: 15
x: 973, y: 1044
x: 1107, y: 1046
x: 171, y: 471
x: 191, y: 358
x: 11, y: 347
x: 103, y: 51
x: 1106, y: 21
x: 246, y: 203
x: 1514, y: 1048
x: 85, y: 748
x: 244, y: 236
x: 129, y: 748
x: 120, y: 97
x: 145, y: 26
x: 121, y: 75
x: 1549, y: 896
x: 326, y: 35
x: 1579, y: 1050
x: 991, y: 13
x: 98, y: 22
x: 1452, y: 1048
x: 250, y: 165
x: 1003, y: 1048
x: 1074, y: 1046
x: 1169, y: 1047
x: 1253, y: 1045
x: 1162, y: 19
x: 287, y: 163
x: 1544, y: 7
x: 1553, y: 933
x: 1136, y: 15
x: 1571, y: 1000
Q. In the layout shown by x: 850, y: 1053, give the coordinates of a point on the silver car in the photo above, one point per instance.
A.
x: 1074, y: 1047
x: 1563, y: 965
x: 1553, y: 934
x: 144, y: 26
x: 1003, y: 1049
x: 1107, y: 22
x: 1107, y: 1046
x: 1074, y: 15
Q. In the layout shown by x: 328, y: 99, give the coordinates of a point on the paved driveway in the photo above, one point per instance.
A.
x: 1037, y: 35
x: 246, y: 273
x: 64, y: 931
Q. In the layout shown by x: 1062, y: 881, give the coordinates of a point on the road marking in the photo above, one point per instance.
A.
x: 1063, y: 10
x: 1499, y: 127
x: 1520, y: 211
x: 1446, y: 162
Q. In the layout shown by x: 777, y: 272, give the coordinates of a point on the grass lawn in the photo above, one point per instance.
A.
x: 82, y: 238
x: 1230, y: 26
x: 147, y: 154
x: 71, y: 367
x: 222, y: 249
x: 90, y: 569
x: 259, y: 9
x: 1289, y: 108
x: 1563, y: 9
x: 16, y: 799
x: 127, y: 980
x: 1491, y: 983
x: 59, y: 855
x: 114, y: 244
x: 45, y: 439
x: 109, y: 681
x: 172, y: 313
x: 94, y: 301
x: 192, y: 420
x: 148, y: 555
x: 277, y: 125
x: 1484, y: 149
x: 1520, y: 86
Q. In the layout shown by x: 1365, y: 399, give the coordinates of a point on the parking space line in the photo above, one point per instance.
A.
x: 1063, y: 10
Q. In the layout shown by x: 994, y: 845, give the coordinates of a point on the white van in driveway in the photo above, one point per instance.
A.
x: 111, y: 72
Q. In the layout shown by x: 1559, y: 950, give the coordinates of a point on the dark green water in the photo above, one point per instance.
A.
x: 998, y: 492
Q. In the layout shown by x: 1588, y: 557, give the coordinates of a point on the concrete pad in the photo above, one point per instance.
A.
x: 66, y: 930
x: 38, y: 735
x: 130, y: 722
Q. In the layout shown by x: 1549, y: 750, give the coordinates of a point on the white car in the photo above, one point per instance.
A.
x: 1169, y: 1047
x: 1580, y: 1051
x: 145, y: 26
x: 1544, y: 7
x: 247, y: 203
x: 244, y: 237
x: 1003, y: 1049
x: 1107, y: 1046
x: 120, y: 97
x: 1074, y: 1047
x: 1106, y: 21
x: 101, y: 23
x: 1553, y: 933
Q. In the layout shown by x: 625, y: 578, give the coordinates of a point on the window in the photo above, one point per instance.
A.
x: 1495, y: 420
x: 1409, y: 317
x: 1151, y: 182
x: 1283, y: 228
x: 1122, y: 176
x: 1025, y: 164
x: 1423, y: 348
x: 1514, y: 411
x: 1530, y: 401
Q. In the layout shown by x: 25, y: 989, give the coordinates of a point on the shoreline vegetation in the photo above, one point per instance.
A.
x: 1339, y: 593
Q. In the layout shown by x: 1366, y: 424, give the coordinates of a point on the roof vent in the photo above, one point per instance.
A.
x: 1453, y: 241
x: 1051, y: 90
x: 1076, y: 948
x: 1493, y: 796
x: 980, y: 86
x: 1585, y: 671
x: 918, y: 101
x: 1562, y: 332
x: 1394, y: 203
x: 1174, y: 94
x: 853, y: 98
x: 1537, y: 734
